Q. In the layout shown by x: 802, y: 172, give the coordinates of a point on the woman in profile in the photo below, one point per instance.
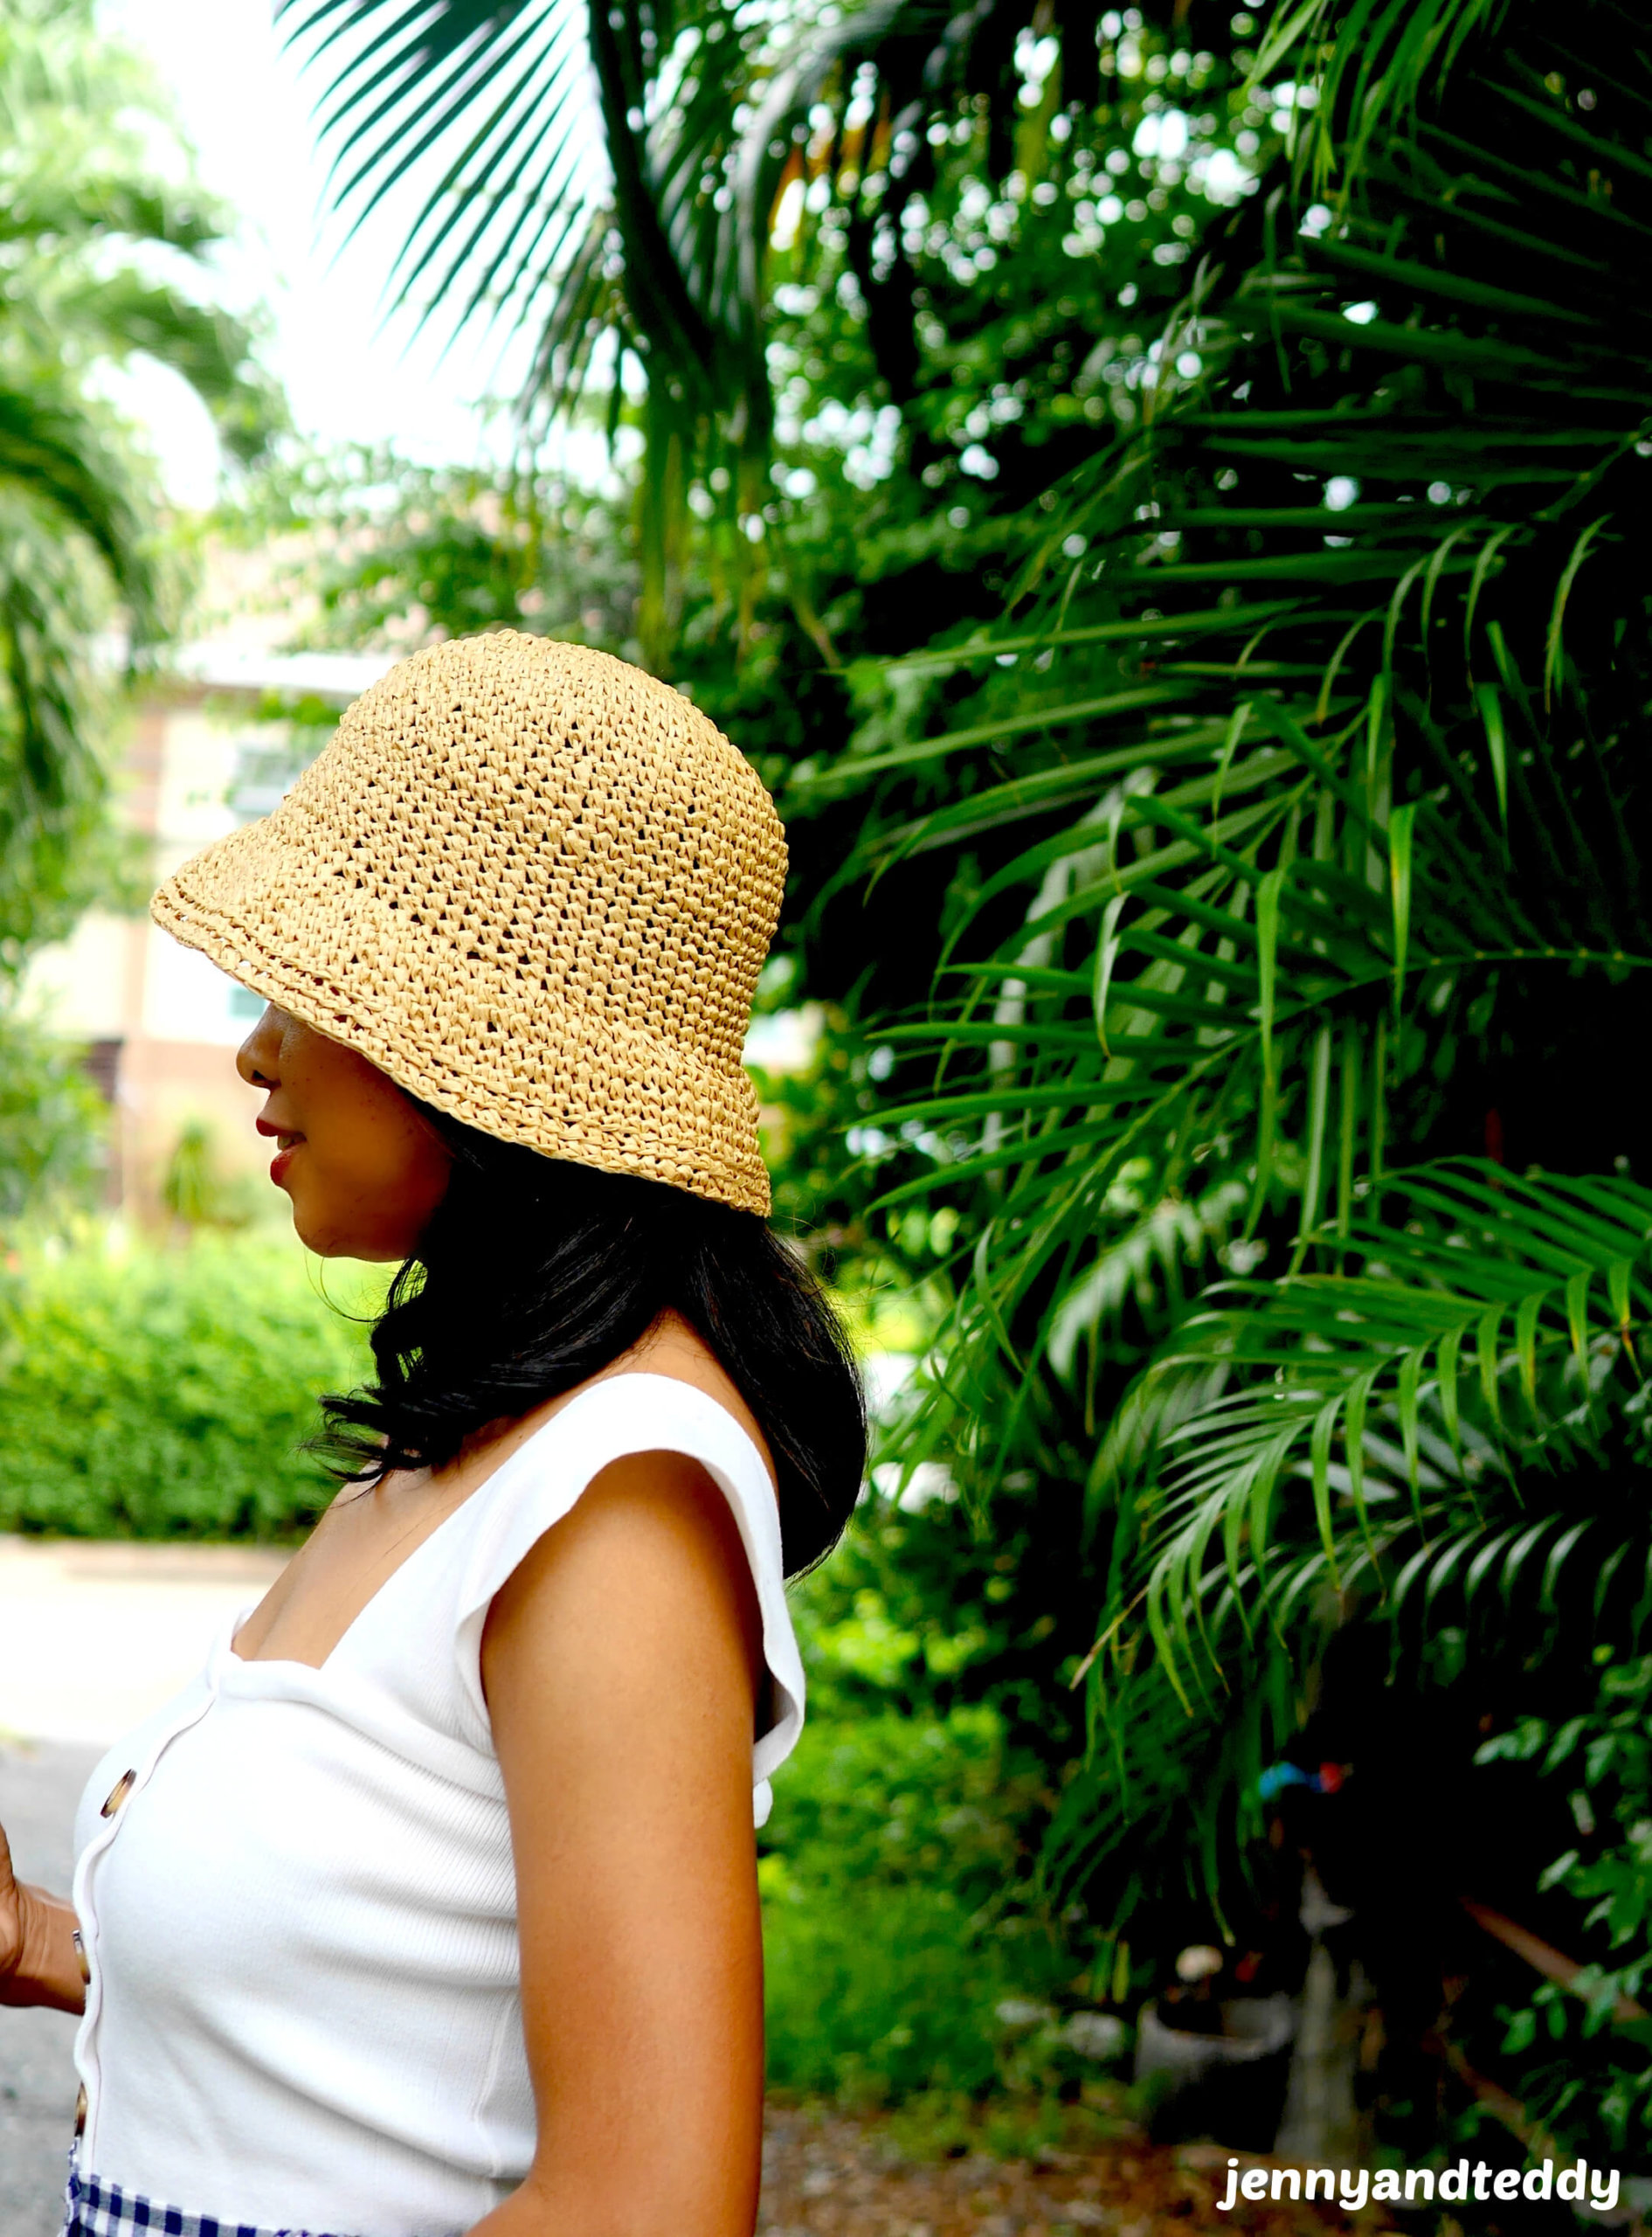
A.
x: 431, y: 1907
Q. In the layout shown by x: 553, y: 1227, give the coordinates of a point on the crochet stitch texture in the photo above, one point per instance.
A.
x: 535, y: 885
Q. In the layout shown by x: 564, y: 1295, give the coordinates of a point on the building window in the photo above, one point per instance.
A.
x: 268, y: 762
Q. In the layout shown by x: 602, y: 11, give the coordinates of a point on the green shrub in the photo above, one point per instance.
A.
x: 876, y: 1995
x: 164, y: 1392
x: 904, y: 1801
x: 902, y: 1954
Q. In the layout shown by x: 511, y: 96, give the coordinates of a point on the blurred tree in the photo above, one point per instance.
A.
x: 51, y: 1123
x: 394, y: 553
x: 104, y: 249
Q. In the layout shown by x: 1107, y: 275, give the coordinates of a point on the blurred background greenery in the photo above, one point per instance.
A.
x: 1159, y: 494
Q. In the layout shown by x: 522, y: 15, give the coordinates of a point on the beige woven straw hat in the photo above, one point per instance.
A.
x: 534, y: 885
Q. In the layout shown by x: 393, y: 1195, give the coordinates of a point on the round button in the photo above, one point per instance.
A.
x: 81, y: 2111
x: 80, y: 1957
x: 119, y: 1792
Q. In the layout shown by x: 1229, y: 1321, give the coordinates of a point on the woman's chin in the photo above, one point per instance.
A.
x: 328, y: 1235
x: 315, y: 1227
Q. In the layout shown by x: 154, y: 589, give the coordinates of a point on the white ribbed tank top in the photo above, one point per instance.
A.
x: 301, y: 1923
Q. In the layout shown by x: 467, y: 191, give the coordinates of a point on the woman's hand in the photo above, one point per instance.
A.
x: 620, y: 1664
x: 38, y: 1961
x: 10, y: 1916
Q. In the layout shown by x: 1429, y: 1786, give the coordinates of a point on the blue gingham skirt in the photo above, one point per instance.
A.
x: 93, y: 2208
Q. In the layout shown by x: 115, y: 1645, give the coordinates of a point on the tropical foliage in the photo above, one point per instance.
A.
x: 1329, y: 817
x: 104, y: 245
x: 741, y: 155
x: 102, y: 249
x: 1199, y: 467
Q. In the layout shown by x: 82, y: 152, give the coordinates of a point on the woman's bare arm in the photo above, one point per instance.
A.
x: 620, y: 1664
x: 39, y: 1963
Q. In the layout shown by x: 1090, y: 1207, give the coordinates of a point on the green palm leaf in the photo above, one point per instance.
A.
x: 1545, y: 1284
x: 1293, y: 878
x: 1295, y: 825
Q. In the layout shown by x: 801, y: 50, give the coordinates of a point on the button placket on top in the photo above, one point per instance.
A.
x: 111, y: 1816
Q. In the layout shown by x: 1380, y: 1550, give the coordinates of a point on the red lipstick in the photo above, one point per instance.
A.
x: 289, y: 1139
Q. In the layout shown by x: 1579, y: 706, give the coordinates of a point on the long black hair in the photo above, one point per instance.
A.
x: 533, y: 1275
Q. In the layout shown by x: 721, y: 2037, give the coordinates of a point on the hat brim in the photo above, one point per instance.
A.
x: 275, y: 907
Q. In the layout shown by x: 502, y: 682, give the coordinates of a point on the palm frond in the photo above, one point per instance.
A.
x: 1488, y: 1332
x: 1273, y: 868
x: 1296, y: 822
x: 52, y: 449
x: 124, y: 314
x: 1370, y: 66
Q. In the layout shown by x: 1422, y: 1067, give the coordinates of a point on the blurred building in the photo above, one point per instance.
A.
x: 160, y: 1022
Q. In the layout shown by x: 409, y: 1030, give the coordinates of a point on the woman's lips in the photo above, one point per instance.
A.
x: 291, y: 1144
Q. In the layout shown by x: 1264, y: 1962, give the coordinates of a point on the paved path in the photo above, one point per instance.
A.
x: 94, y: 1636
x: 91, y: 1638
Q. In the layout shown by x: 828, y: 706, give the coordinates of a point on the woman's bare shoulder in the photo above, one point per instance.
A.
x: 672, y: 1347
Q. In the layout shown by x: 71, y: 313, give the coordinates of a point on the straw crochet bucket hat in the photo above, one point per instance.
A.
x: 534, y: 885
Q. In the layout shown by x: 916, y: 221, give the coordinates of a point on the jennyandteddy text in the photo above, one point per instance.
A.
x: 1351, y: 2186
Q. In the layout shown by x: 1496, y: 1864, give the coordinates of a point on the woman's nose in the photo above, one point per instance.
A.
x: 255, y: 1059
